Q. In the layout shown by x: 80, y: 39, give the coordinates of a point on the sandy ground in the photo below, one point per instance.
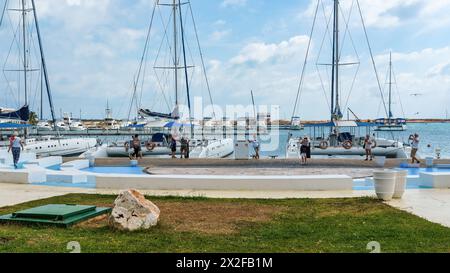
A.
x: 301, y: 170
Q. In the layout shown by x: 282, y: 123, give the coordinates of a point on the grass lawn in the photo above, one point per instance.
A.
x: 210, y: 225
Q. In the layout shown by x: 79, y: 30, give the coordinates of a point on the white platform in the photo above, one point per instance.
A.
x: 435, y: 180
x: 257, y: 183
x: 23, y: 176
x: 76, y: 165
x: 67, y: 176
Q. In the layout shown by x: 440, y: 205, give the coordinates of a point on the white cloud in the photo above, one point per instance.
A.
x: 262, y: 52
x: 232, y: 3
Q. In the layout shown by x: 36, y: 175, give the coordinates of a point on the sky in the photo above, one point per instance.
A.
x: 93, y: 49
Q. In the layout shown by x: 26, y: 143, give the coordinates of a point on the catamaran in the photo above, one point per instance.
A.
x: 340, y: 137
x: 33, y: 72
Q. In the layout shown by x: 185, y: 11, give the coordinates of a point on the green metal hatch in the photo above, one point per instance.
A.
x: 58, y: 215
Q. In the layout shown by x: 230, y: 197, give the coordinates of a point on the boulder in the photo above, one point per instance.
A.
x: 133, y: 212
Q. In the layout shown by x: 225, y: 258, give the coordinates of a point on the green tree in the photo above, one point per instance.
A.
x: 34, y: 120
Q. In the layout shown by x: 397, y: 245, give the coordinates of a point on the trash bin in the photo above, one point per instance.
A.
x: 385, y: 182
x: 400, y: 184
x: 429, y: 162
x: 380, y: 161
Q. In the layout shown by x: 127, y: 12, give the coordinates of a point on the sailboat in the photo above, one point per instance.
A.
x: 340, y: 137
x: 391, y: 124
x: 175, y: 71
x: 45, y: 146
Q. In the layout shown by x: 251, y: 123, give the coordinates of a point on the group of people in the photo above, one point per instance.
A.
x: 305, y: 150
x: 135, y: 145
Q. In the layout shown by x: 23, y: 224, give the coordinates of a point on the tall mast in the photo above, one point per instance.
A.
x: 335, y: 107
x: 185, y: 70
x: 333, y: 63
x: 175, y: 48
x: 390, y: 86
x: 337, y: 111
x: 25, y: 60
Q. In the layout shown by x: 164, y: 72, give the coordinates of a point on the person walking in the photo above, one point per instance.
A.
x: 16, y: 146
x: 368, y: 147
x: 415, y: 141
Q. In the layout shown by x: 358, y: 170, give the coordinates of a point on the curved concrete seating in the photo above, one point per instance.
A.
x: 198, y: 182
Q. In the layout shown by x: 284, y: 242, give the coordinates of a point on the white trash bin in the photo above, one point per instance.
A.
x: 385, y: 182
x: 429, y: 162
x: 380, y: 161
x: 400, y: 184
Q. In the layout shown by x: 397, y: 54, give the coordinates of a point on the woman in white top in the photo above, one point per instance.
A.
x: 15, y: 145
x: 368, y: 147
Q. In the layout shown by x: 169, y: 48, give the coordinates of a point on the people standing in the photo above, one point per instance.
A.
x: 184, y: 148
x: 256, y: 147
x: 173, y: 146
x: 368, y: 144
x: 136, y: 142
x: 415, y: 141
x: 16, y: 146
x: 304, y: 144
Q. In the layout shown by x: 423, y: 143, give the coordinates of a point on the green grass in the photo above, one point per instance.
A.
x: 317, y: 226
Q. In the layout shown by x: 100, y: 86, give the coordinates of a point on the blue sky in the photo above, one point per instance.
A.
x: 93, y: 49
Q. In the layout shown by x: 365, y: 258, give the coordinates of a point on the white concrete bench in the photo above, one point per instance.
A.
x: 46, y: 161
x: 435, y: 180
x: 66, y: 176
x: 256, y: 183
x: 22, y: 176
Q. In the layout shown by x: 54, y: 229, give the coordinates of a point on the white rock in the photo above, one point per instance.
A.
x: 133, y: 212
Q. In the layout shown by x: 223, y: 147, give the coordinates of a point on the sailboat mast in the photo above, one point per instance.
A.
x: 25, y: 60
x: 185, y: 70
x: 337, y: 111
x: 175, y: 49
x: 390, y: 86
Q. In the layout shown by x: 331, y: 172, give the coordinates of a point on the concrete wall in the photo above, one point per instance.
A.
x: 265, y: 183
x: 435, y: 180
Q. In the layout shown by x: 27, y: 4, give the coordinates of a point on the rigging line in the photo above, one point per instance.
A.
x: 208, y: 86
x: 297, y: 99
x: 398, y: 92
x: 371, y: 56
x: 15, y: 33
x: 352, y: 86
x: 141, y: 62
x: 3, y: 13
x: 347, y: 31
x: 321, y: 49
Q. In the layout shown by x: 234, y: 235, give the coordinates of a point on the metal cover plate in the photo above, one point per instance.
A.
x: 59, y: 215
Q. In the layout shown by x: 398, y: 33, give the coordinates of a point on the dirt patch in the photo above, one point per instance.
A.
x: 204, y: 217
x: 5, y: 240
x: 97, y: 222
x: 210, y: 218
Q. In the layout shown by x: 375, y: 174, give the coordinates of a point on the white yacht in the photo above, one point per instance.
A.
x: 44, y: 126
x: 77, y: 126
x: 53, y: 146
